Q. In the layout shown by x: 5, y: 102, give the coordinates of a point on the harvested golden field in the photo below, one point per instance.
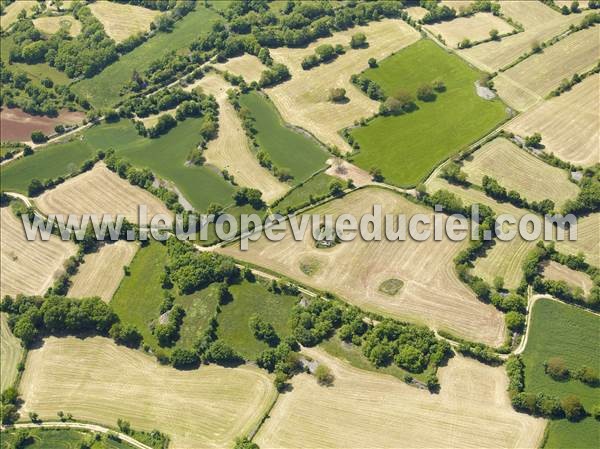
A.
x: 11, y: 352
x: 28, y: 267
x: 432, y: 292
x: 231, y: 151
x: 568, y: 123
x: 416, y: 12
x: 152, y: 119
x: 363, y: 409
x: 529, y: 81
x: 51, y: 25
x: 303, y: 100
x: 540, y: 22
x: 121, y: 21
x: 475, y: 28
x: 588, y: 229
x: 99, y: 191
x: 582, y: 3
x: 102, y: 271
x: 98, y: 381
x: 557, y: 272
x: 248, y: 66
x: 517, y: 169
x: 343, y: 169
x: 504, y: 259
x: 11, y: 12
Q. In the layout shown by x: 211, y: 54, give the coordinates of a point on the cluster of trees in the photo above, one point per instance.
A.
x: 556, y: 368
x: 9, y: 402
x: 247, y: 195
x: 452, y: 173
x: 588, y: 198
x: 371, y: 88
x: 191, y: 270
x: 493, y: 189
x: 323, y: 53
x: 337, y: 95
x: 399, y: 103
x: 277, y: 73
x: 439, y: 13
x: 480, y: 352
x: 532, y: 274
x: 167, y: 333
x: 263, y: 330
x: 44, y: 98
x: 358, y: 40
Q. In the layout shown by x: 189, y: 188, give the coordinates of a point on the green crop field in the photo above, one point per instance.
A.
x: 165, y: 156
x: 315, y: 187
x: 407, y: 147
x: 565, y: 434
x: 300, y: 154
x: 61, y: 439
x: 138, y: 299
x: 571, y: 333
x: 103, y: 89
x: 249, y: 298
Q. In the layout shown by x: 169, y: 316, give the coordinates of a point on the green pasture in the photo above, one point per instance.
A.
x: 407, y: 147
x: 287, y: 148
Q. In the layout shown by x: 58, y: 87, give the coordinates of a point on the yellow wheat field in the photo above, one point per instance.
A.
x: 102, y: 271
x: 11, y: 12
x: 540, y: 22
x: 416, y: 12
x: 11, y: 352
x: 99, y: 191
x: 557, y: 272
x: 529, y: 81
x: 367, y: 410
x: 230, y: 150
x: 568, y: 123
x: 516, y: 169
x: 50, y: 25
x: 121, y: 21
x: 588, y: 242
x: 432, y: 292
x: 28, y: 267
x: 475, y: 28
x: 303, y: 100
x: 248, y: 66
x: 98, y: 381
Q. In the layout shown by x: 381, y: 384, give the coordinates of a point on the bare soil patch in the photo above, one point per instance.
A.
x: 102, y: 271
x: 28, y: 267
x: 364, y: 409
x: 17, y: 125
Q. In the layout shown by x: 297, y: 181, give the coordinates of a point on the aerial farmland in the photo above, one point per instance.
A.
x: 246, y: 224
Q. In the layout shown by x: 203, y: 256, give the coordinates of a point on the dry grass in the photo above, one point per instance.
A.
x: 230, y: 150
x: 51, y: 25
x: 99, y: 191
x: 248, y: 66
x: 10, y: 354
x: 102, y: 271
x: 98, y: 381
x: 588, y: 242
x: 516, y: 169
x: 121, y: 21
x: 364, y: 409
x: 557, y: 272
x: 568, y: 124
x: 28, y: 267
x: 152, y: 119
x: 540, y: 22
x: 12, y: 11
x: 416, y: 12
x: 345, y: 170
x: 582, y: 3
x: 475, y: 28
x: 302, y: 101
x: 504, y: 259
x: 432, y: 293
x: 529, y: 81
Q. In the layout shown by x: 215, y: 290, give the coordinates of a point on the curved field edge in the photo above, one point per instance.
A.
x: 98, y: 381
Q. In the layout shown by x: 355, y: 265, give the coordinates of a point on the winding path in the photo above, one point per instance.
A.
x: 82, y: 426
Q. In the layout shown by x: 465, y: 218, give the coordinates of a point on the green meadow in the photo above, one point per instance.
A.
x: 249, y: 298
x: 561, y: 330
x: 60, y: 439
x: 315, y: 187
x: 103, y: 90
x: 165, y: 156
x: 300, y: 154
x: 407, y: 147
